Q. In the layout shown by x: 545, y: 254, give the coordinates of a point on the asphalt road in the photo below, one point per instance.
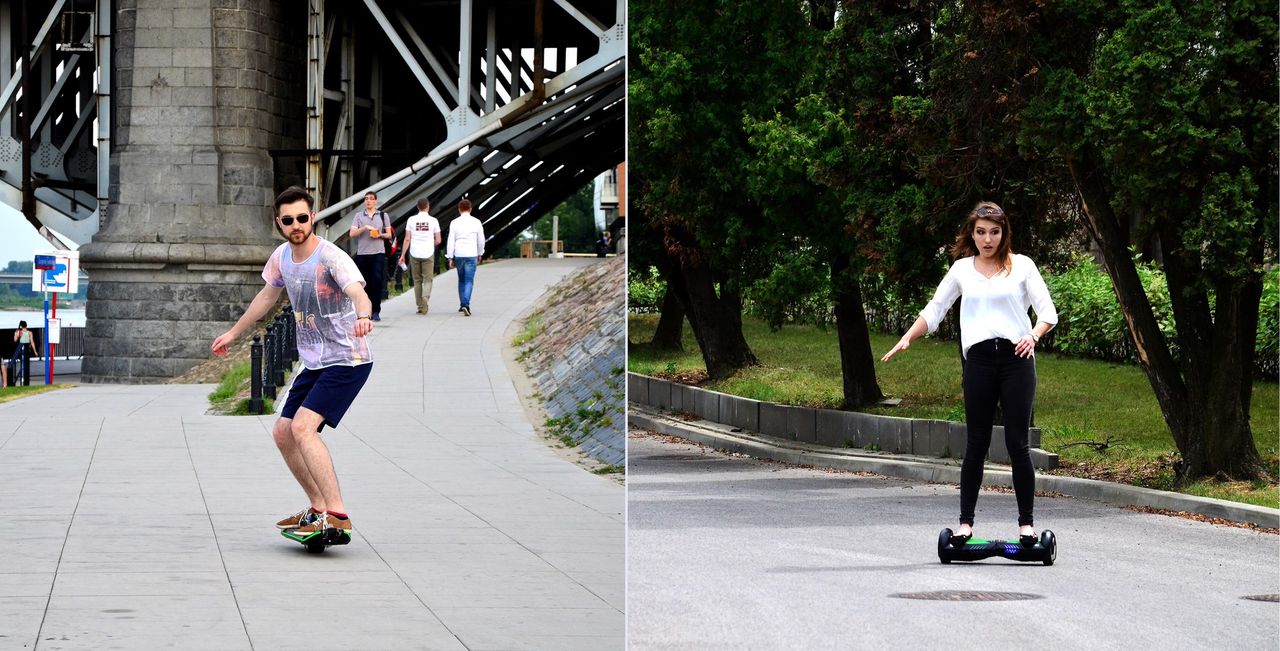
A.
x: 727, y: 552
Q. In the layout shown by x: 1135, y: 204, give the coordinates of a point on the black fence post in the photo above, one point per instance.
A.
x: 281, y: 356
x: 255, y: 373
x: 292, y: 329
x: 268, y: 373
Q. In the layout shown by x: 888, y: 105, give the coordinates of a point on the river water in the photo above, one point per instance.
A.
x: 35, y: 318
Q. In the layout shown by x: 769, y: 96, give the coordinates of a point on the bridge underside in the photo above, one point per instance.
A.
x: 513, y: 132
x: 388, y: 105
x: 59, y: 112
x: 167, y: 183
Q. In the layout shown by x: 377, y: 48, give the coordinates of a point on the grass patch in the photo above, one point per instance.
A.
x: 1098, y: 416
x: 609, y: 470
x: 13, y: 393
x: 229, y: 398
x: 392, y: 292
x: 532, y: 328
x: 241, y: 407
x: 230, y: 384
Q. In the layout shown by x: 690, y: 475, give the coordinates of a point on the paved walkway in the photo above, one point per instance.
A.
x: 137, y: 522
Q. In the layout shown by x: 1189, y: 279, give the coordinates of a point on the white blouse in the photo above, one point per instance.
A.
x: 992, y: 308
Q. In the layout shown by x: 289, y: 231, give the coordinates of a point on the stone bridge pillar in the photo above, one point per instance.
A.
x: 203, y: 88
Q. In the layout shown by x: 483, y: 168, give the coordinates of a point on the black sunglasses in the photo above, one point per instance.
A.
x: 302, y: 219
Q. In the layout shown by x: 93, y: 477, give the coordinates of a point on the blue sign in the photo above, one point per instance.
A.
x: 55, y: 277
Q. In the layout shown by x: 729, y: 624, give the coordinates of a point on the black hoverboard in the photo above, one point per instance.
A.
x: 1044, y: 550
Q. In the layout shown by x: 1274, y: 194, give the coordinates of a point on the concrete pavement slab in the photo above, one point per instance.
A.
x: 26, y: 584
x: 20, y: 619
x: 146, y: 523
x: 136, y: 622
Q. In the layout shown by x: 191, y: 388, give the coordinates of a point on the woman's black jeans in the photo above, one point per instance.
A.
x: 993, y: 373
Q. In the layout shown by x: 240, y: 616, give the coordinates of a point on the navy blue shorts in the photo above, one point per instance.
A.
x: 328, y: 391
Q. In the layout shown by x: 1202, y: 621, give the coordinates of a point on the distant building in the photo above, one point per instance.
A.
x: 611, y: 204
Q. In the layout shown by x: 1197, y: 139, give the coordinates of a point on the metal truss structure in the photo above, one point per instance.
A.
x: 515, y: 104
x: 62, y: 51
x: 512, y: 104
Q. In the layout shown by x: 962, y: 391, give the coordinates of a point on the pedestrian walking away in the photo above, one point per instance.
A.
x: 331, y: 311
x: 998, y: 343
x: 465, y: 248
x: 370, y: 230
x: 421, y: 237
x: 25, y: 350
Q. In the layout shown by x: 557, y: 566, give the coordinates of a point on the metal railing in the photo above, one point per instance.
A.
x: 270, y: 356
x: 71, y: 345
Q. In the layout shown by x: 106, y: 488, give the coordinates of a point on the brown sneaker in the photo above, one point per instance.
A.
x: 325, y: 521
x: 300, y: 519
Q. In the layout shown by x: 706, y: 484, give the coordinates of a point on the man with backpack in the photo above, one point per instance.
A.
x: 371, y: 230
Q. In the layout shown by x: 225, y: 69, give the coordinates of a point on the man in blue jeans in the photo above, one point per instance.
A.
x: 465, y: 248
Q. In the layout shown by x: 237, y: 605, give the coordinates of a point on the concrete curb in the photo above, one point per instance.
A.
x: 832, y: 427
x: 918, y: 468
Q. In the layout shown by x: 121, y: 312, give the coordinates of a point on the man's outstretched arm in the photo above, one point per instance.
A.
x: 258, y: 308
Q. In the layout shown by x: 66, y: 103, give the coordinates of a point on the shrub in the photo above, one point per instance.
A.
x: 797, y: 290
x: 1267, y: 349
x: 645, y: 289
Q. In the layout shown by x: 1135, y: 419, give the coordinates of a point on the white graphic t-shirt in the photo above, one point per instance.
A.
x: 324, y: 315
x: 424, y: 228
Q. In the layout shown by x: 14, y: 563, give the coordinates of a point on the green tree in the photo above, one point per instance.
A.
x: 577, y: 222
x: 698, y: 70
x: 1163, y: 115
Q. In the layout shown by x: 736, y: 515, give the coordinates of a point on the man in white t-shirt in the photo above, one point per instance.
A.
x: 466, y: 247
x: 421, y: 237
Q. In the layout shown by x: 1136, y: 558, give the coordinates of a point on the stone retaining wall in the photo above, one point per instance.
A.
x: 577, y: 360
x: 844, y: 429
x: 203, y: 91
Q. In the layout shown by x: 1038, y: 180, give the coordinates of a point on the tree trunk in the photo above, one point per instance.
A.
x: 857, y: 362
x: 670, y: 330
x: 1205, y: 402
x: 1217, y: 362
x: 1229, y: 391
x: 716, y: 320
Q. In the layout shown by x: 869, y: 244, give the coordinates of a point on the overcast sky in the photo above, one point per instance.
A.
x: 18, y: 240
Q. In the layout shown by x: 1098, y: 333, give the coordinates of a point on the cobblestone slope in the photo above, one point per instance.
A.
x: 576, y: 359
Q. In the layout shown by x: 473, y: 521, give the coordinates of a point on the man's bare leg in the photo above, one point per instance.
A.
x: 283, y: 435
x: 315, y: 454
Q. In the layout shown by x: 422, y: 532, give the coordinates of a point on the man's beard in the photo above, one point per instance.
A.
x: 299, y: 237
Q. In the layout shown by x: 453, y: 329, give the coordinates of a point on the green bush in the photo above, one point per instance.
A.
x: 797, y: 290
x: 1267, y: 349
x: 1090, y: 323
x: 645, y: 289
x: 890, y: 311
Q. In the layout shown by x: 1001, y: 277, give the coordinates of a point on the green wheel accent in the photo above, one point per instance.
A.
x: 976, y: 541
x: 293, y: 536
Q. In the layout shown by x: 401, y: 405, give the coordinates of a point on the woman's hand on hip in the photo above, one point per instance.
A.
x: 1026, y: 346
